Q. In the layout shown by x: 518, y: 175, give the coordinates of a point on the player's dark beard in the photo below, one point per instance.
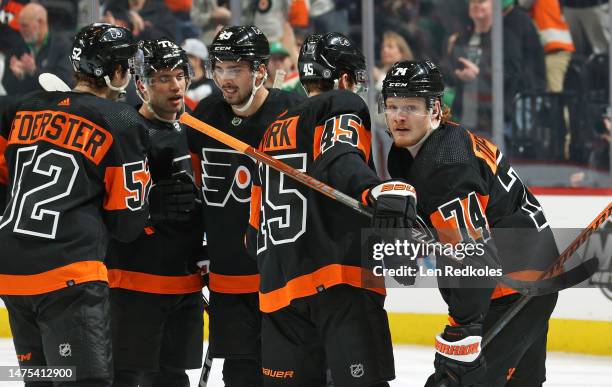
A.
x: 242, y: 100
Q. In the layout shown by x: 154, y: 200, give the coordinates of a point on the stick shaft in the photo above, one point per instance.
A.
x: 568, y: 252
x: 303, y: 178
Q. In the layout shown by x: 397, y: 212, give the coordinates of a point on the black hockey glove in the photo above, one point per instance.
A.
x: 172, y: 199
x: 394, y: 203
x: 459, y: 362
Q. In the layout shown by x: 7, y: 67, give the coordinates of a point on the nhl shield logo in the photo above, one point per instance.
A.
x: 357, y: 370
x: 236, y: 121
x: 65, y: 350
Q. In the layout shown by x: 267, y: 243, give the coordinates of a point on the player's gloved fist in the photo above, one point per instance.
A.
x: 394, y: 203
x: 459, y: 362
x: 172, y: 199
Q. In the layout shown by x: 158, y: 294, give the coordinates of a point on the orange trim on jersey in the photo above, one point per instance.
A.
x: 65, y: 130
x: 3, y: 165
x: 485, y: 150
x: 448, y: 229
x: 364, y: 197
x: 156, y: 284
x: 197, y: 168
x: 502, y: 291
x: 365, y: 141
x: 48, y: 281
x: 254, y: 219
x: 326, y: 277
x: 116, y: 193
x: 280, y: 135
x: 316, y: 143
x: 452, y: 322
x: 233, y: 284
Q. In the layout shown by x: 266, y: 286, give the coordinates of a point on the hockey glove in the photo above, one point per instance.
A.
x: 394, y: 203
x: 172, y: 200
x: 458, y: 362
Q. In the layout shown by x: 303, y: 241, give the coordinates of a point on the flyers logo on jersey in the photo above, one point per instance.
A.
x: 280, y: 135
x: 226, y: 174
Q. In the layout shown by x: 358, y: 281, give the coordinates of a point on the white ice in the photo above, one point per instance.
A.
x: 413, y: 364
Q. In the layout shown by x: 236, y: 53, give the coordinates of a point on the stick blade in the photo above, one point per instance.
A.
x: 51, y: 82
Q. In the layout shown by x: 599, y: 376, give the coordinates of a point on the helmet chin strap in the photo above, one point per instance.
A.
x: 120, y: 89
x: 254, y: 90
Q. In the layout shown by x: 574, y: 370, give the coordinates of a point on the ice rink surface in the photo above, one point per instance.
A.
x: 413, y: 364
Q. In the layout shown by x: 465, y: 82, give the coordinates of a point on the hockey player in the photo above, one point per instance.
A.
x: 156, y: 301
x: 320, y: 311
x: 77, y: 173
x: 239, y: 56
x: 466, y: 187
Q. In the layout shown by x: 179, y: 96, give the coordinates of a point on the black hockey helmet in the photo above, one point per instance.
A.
x: 99, y: 47
x: 325, y: 57
x: 159, y: 54
x: 414, y: 79
x: 240, y: 43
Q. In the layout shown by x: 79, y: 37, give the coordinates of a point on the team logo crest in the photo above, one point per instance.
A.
x: 357, y: 370
x: 65, y: 350
x: 226, y: 174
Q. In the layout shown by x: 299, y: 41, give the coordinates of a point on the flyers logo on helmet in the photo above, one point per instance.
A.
x: 226, y: 174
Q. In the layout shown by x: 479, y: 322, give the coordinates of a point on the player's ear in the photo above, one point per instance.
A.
x: 261, y: 72
x: 141, y: 87
x: 345, y: 82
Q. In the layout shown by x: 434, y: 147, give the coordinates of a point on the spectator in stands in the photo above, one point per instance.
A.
x: 589, y: 25
x: 271, y: 16
x: 147, y: 19
x: 181, y: 10
x: 280, y: 61
x: 210, y: 16
x: 555, y: 37
x: 46, y: 52
x: 201, y: 86
x: 10, y: 39
x: 403, y: 17
x: 326, y: 15
x: 469, y: 63
x: 393, y: 49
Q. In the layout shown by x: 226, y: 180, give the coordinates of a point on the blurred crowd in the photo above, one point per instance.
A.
x: 555, y: 56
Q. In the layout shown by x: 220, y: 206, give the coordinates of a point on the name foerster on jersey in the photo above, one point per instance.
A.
x: 226, y: 173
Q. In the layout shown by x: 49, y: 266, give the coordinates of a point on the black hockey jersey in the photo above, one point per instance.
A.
x: 225, y: 177
x: 304, y: 241
x: 76, y: 172
x: 467, y: 191
x: 162, y: 260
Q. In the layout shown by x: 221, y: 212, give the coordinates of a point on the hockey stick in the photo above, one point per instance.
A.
x: 51, y: 82
x: 567, y: 253
x: 303, y: 178
x: 207, y: 366
x: 546, y: 286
